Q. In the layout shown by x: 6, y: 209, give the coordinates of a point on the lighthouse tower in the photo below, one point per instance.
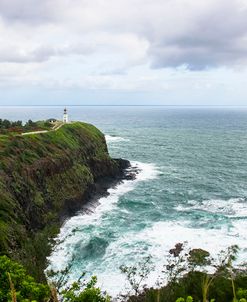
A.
x: 65, y: 116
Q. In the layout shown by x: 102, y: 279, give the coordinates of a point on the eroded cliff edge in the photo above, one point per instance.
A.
x: 43, y: 179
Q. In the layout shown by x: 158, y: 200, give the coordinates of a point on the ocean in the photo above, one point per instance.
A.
x: 191, y: 186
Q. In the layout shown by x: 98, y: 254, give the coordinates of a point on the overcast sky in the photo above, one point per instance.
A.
x: 170, y: 52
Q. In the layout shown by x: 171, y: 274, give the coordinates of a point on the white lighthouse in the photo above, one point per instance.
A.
x: 65, y: 116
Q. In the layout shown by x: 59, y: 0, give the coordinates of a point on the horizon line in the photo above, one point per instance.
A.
x: 121, y: 105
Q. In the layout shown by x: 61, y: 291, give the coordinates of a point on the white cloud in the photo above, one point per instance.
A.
x: 201, y: 34
x: 121, y: 44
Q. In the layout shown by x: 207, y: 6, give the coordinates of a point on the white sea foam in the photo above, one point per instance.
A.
x: 167, y: 234
x: 233, y: 207
x: 115, y: 139
x: 156, y: 240
x: 69, y: 237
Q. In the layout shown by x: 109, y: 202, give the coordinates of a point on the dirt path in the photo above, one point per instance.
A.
x: 55, y: 128
x: 36, y: 132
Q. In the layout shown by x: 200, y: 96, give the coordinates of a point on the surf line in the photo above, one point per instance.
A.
x: 92, y: 214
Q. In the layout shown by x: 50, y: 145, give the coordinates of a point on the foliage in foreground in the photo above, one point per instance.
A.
x: 185, y: 278
x: 84, y: 292
x: 17, y: 285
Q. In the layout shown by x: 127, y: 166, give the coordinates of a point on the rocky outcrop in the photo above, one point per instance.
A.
x: 45, y: 178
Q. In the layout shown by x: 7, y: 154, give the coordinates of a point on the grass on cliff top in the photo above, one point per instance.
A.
x: 68, y: 134
x: 69, y: 137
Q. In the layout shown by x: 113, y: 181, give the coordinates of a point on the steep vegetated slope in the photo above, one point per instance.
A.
x: 43, y: 179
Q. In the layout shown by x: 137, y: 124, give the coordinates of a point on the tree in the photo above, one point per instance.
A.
x: 6, y: 124
x: 226, y: 259
x: 176, y: 264
x: 137, y: 274
x: 17, y: 124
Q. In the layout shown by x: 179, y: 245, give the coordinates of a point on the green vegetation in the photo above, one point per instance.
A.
x: 84, y: 292
x: 228, y: 284
x: 44, y: 178
x: 187, y: 278
x: 188, y: 299
x: 17, y: 285
x: 11, y: 128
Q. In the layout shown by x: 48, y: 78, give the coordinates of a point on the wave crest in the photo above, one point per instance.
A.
x: 115, y: 139
x: 82, y: 227
x: 233, y: 207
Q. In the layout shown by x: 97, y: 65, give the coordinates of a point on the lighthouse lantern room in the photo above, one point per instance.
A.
x: 65, y: 116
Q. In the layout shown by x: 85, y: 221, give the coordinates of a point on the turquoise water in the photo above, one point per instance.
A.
x: 192, y: 186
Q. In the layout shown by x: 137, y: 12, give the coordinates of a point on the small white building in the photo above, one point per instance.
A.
x: 65, y: 116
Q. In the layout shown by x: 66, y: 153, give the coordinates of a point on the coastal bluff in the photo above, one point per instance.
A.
x: 44, y: 179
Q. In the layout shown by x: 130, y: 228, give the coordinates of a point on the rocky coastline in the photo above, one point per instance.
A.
x: 44, y: 180
x: 98, y: 189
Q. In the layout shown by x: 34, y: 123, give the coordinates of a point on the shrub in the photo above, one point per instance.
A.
x: 84, y: 292
x: 242, y: 294
x: 188, y: 299
x: 15, y: 282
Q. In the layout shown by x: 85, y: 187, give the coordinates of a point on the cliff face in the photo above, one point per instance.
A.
x: 43, y: 179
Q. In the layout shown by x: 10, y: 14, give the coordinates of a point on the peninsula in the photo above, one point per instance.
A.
x: 45, y: 178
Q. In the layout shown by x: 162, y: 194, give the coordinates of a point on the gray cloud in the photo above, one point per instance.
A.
x: 198, y: 34
x: 212, y: 38
x: 33, y: 11
x: 17, y: 56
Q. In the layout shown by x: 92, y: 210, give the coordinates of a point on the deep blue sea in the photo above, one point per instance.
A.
x: 192, y: 187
